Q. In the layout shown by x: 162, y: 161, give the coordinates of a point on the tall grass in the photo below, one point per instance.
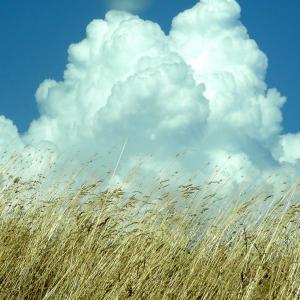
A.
x: 89, y: 243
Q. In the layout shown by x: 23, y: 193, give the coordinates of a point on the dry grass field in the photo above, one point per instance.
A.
x: 88, y: 243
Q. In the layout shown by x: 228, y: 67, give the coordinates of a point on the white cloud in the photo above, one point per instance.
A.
x: 288, y: 149
x: 9, y: 137
x: 21, y: 159
x: 201, y: 89
x: 128, y: 5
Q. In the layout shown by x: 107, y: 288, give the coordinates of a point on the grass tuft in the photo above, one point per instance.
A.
x: 88, y: 243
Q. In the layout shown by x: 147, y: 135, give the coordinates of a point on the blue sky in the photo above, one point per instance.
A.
x: 35, y: 36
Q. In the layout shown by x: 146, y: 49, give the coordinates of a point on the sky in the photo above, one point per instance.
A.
x: 216, y: 80
x: 35, y: 36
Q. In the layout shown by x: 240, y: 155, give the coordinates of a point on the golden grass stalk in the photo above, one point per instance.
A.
x: 86, y: 243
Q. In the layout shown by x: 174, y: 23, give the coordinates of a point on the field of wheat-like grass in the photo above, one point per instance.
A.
x: 86, y: 242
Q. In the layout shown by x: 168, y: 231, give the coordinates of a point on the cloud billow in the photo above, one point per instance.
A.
x: 201, y: 90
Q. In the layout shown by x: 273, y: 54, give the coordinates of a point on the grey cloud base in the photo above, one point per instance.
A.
x: 199, y: 90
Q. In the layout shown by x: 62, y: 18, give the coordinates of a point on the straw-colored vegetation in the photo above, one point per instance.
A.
x: 90, y: 243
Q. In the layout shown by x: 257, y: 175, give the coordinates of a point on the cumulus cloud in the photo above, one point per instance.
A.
x: 9, y: 136
x: 287, y: 149
x: 21, y: 159
x: 200, y: 90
